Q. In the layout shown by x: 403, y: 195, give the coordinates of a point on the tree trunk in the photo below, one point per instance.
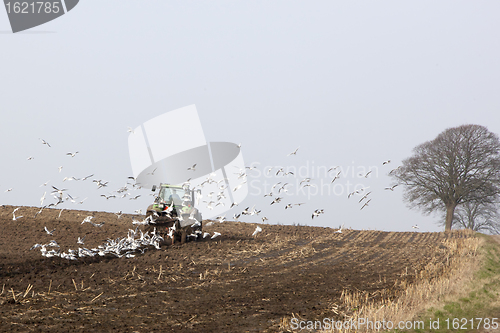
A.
x: 450, y: 211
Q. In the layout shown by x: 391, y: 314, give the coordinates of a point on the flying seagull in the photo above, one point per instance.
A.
x: 366, y: 204
x: 257, y: 230
x: 14, y: 217
x: 294, y: 152
x: 317, y: 212
x: 49, y: 232
x: 72, y: 154
x: 42, y: 198
x: 193, y: 168
x: 44, y: 142
x: 392, y: 187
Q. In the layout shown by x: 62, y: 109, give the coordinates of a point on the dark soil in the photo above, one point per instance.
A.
x: 233, y: 283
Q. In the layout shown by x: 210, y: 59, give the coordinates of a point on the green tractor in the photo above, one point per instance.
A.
x: 174, y: 213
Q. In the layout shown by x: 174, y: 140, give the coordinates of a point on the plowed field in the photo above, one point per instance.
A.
x: 232, y: 283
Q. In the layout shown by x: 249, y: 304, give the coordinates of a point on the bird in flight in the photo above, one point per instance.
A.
x: 414, y: 226
x: 130, y: 130
x: 386, y: 162
x: 152, y: 172
x: 14, y: 217
x: 238, y: 187
x: 276, y: 200
x: 49, y: 232
x: 42, y: 198
x: 391, y: 188
x: 366, y: 204
x: 340, y: 229
x: 193, y: 168
x: 294, y: 152
x: 364, y: 197
x: 81, y: 240
x: 44, y: 142
x: 257, y: 230
x: 30, y: 158
x: 72, y: 154
x: 305, y: 180
x: 317, y: 213
x: 85, y: 178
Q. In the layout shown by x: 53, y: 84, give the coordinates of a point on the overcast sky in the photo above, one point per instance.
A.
x: 352, y: 83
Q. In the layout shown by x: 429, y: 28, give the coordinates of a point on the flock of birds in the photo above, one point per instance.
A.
x: 280, y: 188
x: 127, y: 245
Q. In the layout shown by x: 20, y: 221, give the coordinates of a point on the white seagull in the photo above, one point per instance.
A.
x: 391, y: 188
x: 14, y: 217
x: 49, y: 232
x: 294, y: 152
x: 44, y: 142
x: 317, y: 212
x: 257, y: 230
x: 72, y: 154
x: 42, y: 199
x: 216, y: 234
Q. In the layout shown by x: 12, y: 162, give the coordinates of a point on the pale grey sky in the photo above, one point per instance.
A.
x: 353, y: 83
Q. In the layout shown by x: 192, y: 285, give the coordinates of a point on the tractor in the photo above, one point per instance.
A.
x: 174, y: 213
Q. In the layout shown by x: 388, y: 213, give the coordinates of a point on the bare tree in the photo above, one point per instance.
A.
x: 477, y: 216
x: 462, y: 164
